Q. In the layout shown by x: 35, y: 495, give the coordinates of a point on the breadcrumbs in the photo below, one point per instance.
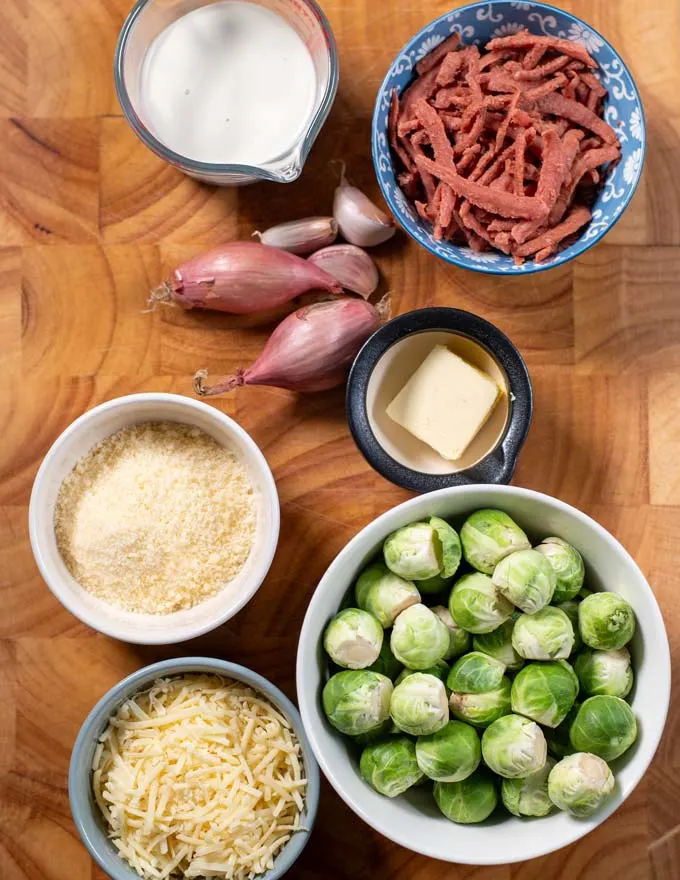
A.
x: 156, y: 518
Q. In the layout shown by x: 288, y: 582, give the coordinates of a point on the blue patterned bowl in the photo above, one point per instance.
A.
x: 478, y: 23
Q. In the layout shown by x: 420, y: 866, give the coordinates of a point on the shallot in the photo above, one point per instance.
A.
x: 351, y: 265
x: 361, y: 222
x: 301, y: 236
x: 310, y: 350
x: 242, y: 277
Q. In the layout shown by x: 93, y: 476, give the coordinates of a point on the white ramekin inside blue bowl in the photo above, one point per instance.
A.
x: 413, y: 819
x: 479, y: 23
x: 87, y: 815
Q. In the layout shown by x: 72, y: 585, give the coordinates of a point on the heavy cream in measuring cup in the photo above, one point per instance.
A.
x: 229, y: 83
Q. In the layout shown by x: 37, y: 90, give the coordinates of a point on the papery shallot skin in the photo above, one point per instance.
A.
x: 310, y: 350
x: 243, y: 277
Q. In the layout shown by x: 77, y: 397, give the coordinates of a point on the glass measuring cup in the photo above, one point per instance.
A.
x: 149, y: 17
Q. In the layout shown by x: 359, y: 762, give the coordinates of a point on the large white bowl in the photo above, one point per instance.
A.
x: 78, y: 439
x: 413, y: 820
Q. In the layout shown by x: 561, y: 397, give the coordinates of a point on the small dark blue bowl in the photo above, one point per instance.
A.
x: 384, y: 365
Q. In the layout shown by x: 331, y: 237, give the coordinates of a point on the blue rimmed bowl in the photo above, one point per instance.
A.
x: 479, y: 23
x: 87, y: 816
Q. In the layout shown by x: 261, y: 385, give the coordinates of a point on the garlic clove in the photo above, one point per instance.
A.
x: 301, y: 236
x: 361, y: 221
x: 350, y: 265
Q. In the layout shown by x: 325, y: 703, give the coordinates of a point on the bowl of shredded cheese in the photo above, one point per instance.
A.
x: 154, y: 518
x: 193, y: 767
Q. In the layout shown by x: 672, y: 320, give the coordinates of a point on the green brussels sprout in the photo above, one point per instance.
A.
x: 414, y: 552
x: 386, y: 664
x: 580, y: 784
x: 419, y: 638
x: 498, y: 644
x: 482, y: 709
x: 526, y: 579
x: 528, y: 795
x: 440, y: 670
x: 568, y: 565
x: 432, y: 586
x: 390, y: 766
x: 584, y: 593
x: 604, y: 726
x: 488, y: 536
x: 514, y: 746
x: 475, y: 673
x: 544, y: 692
x: 357, y: 702
x: 606, y: 621
x: 545, y: 635
x: 605, y: 673
x: 557, y: 738
x: 459, y: 639
x: 476, y: 605
x: 570, y: 608
x: 472, y: 800
x: 451, y: 754
x: 451, y: 551
x: 384, y: 594
x: 419, y: 705
x: 353, y: 639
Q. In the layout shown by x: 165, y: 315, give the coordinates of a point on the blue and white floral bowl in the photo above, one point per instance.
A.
x: 479, y: 23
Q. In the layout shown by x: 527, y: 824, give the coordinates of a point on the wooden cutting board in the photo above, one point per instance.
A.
x: 90, y: 220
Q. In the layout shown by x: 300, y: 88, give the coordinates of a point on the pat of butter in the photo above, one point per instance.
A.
x: 445, y: 403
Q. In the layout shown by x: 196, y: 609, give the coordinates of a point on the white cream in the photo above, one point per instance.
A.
x: 229, y: 83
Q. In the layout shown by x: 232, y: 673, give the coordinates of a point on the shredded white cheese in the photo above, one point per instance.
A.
x: 199, y: 777
x: 156, y: 518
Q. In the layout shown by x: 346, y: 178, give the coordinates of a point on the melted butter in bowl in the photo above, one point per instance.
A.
x: 385, y: 367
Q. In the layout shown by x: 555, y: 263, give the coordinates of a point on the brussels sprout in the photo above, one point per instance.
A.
x: 432, y: 586
x: 451, y: 754
x: 472, y: 800
x: 528, y: 795
x: 545, y: 635
x: 386, y: 664
x: 606, y: 621
x: 544, y: 692
x: 459, y: 639
x: 357, y: 702
x: 580, y: 784
x: 440, y: 670
x: 476, y: 605
x: 558, y: 740
x: 604, y: 726
x: 419, y: 705
x: 414, y: 552
x: 498, y: 644
x: 526, y: 579
x: 568, y: 565
x: 419, y: 638
x: 482, y: 709
x: 570, y: 608
x: 353, y: 639
x: 475, y: 673
x: 384, y: 594
x: 390, y: 766
x: 605, y: 672
x: 584, y: 593
x: 451, y: 551
x: 514, y: 746
x: 488, y: 536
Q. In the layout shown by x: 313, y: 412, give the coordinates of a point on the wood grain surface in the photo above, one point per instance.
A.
x: 90, y: 220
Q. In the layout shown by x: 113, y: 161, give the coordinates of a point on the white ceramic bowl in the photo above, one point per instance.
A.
x: 413, y: 820
x: 81, y: 436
